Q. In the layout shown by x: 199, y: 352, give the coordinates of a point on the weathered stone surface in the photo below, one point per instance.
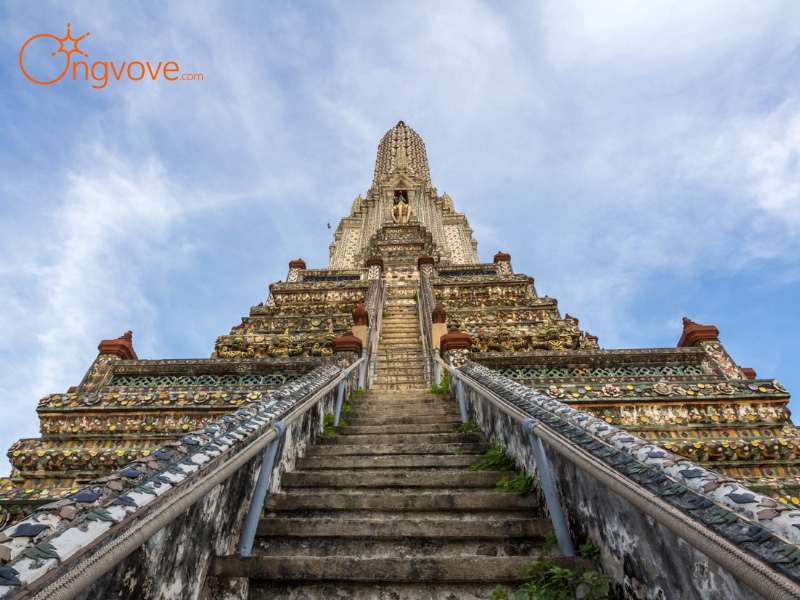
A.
x: 421, y: 570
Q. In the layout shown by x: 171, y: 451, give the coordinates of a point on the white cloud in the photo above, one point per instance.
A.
x: 680, y: 39
x: 80, y: 279
x: 761, y: 154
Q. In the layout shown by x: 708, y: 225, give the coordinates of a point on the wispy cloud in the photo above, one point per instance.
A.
x: 81, y: 277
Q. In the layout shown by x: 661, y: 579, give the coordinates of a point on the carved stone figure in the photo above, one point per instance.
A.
x: 401, y: 211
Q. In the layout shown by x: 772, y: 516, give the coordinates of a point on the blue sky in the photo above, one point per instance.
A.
x: 640, y: 160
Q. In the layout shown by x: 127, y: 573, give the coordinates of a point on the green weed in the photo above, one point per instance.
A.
x: 327, y: 425
x: 548, y: 581
x: 521, y: 484
x: 550, y: 539
x: 590, y: 550
x: 468, y: 427
x: 496, y: 459
x: 442, y: 388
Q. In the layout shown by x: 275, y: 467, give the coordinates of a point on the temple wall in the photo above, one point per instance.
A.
x: 645, y: 559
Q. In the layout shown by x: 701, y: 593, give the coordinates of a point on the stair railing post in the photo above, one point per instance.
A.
x: 248, y: 534
x: 437, y: 368
x: 549, y: 488
x: 361, y: 373
x: 460, y: 396
x: 339, y: 398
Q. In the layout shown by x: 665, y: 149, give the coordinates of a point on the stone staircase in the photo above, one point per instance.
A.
x: 389, y: 510
x: 401, y: 362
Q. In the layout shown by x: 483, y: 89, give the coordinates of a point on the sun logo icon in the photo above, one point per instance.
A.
x: 67, y: 45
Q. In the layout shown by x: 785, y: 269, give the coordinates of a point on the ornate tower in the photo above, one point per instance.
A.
x: 402, y: 195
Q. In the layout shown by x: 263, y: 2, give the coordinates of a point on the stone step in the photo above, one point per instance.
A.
x: 400, y: 397
x: 399, y: 548
x: 398, y: 363
x: 396, y: 449
x: 368, y: 412
x: 372, y: 430
x: 405, y: 346
x: 393, y: 335
x: 385, y: 478
x: 397, y: 385
x: 340, y: 590
x: 394, y: 461
x: 401, y: 349
x: 390, y: 403
x: 442, y: 528
x: 397, y: 437
x: 395, y: 382
x: 486, y: 569
x: 406, y: 420
x: 395, y: 500
x: 388, y: 370
x: 403, y: 385
x: 395, y: 361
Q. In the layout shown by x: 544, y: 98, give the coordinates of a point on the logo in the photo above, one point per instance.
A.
x: 98, y: 71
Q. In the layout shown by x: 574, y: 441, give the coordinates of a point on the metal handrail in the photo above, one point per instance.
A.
x: 422, y: 309
x: 375, y: 336
x: 340, y: 392
x: 425, y: 309
x: 262, y: 483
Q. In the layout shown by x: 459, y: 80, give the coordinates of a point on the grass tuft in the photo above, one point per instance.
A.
x: 496, y: 459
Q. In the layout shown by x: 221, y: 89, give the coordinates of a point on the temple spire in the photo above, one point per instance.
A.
x: 402, y: 149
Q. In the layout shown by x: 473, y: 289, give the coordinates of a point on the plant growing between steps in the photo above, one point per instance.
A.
x: 590, y: 550
x: 468, y: 427
x: 521, y: 484
x: 550, y: 539
x: 327, y: 425
x: 548, y: 581
x: 346, y: 405
x: 496, y: 459
x: 443, y: 387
